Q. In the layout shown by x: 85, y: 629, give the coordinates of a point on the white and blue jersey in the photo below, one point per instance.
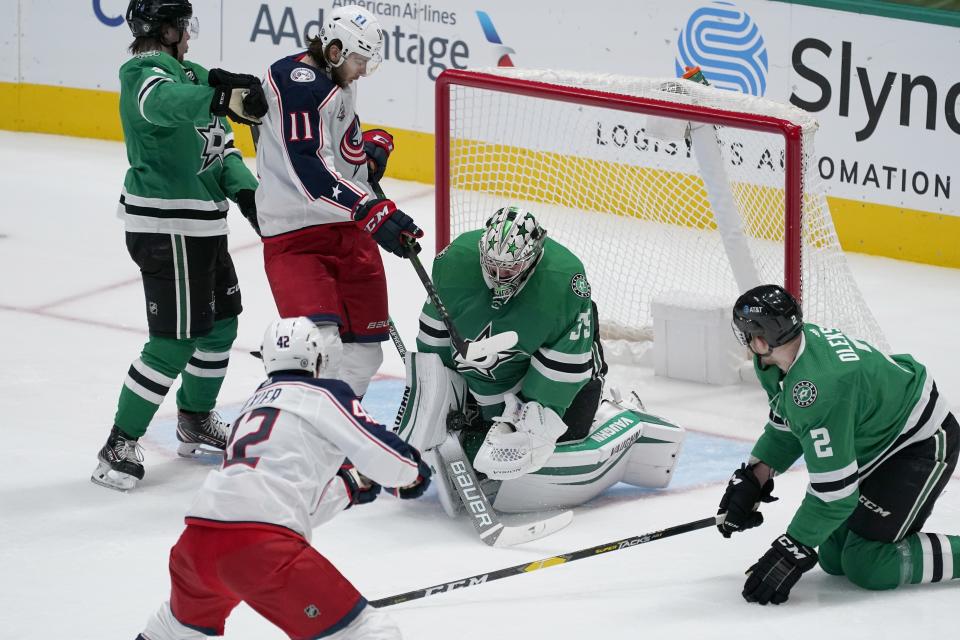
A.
x: 310, y: 157
x: 285, y: 449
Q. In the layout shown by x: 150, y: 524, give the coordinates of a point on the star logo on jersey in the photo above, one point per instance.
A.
x: 804, y: 393
x: 336, y: 192
x: 488, y: 365
x: 214, y: 137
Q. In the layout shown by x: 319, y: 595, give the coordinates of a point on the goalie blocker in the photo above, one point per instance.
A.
x: 624, y: 444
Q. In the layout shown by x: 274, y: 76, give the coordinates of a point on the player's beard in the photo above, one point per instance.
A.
x: 337, y: 75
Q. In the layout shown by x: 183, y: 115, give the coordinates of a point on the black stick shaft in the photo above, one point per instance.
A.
x: 527, y: 567
x: 455, y: 338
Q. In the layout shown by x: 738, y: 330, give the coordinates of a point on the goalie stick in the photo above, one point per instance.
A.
x: 527, y: 567
x: 485, y: 520
x: 468, y: 349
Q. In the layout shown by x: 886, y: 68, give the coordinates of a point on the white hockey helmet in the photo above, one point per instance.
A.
x: 297, y: 344
x: 358, y: 31
x: 510, y: 248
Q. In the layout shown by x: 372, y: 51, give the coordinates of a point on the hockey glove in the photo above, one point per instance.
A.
x: 393, y: 230
x: 418, y: 486
x: 740, y: 501
x: 774, y: 574
x: 238, y: 96
x: 378, y: 145
x: 360, y: 489
x: 247, y: 202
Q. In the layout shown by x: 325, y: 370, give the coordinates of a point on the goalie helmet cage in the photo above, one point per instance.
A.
x: 660, y: 186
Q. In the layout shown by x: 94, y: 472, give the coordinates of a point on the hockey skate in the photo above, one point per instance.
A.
x: 202, y: 433
x: 121, y: 462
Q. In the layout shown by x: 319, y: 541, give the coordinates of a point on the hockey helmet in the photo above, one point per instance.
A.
x: 148, y: 17
x: 297, y: 344
x: 358, y: 31
x: 510, y: 248
x: 769, y: 312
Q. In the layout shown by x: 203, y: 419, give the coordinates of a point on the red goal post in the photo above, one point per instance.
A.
x: 497, y: 127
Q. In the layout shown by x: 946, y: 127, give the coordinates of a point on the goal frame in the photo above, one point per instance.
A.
x: 790, y: 131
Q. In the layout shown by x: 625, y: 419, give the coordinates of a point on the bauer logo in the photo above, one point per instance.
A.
x: 725, y: 42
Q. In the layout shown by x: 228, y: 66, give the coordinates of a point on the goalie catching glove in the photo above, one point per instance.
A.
x: 238, y: 96
x: 392, y: 229
x: 520, y: 441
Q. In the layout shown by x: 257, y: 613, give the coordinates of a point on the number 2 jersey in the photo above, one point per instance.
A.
x: 845, y: 407
x: 285, y: 450
x: 310, y: 157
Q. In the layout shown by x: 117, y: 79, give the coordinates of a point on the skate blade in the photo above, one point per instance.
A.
x: 107, y: 477
x: 198, y: 450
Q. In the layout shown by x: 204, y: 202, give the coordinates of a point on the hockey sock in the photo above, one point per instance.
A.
x: 204, y: 372
x: 149, y: 378
x: 930, y: 557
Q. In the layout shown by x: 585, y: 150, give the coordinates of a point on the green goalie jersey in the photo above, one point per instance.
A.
x: 551, y: 314
x: 183, y: 163
x: 845, y: 407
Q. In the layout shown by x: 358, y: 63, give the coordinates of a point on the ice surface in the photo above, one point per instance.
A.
x: 79, y: 561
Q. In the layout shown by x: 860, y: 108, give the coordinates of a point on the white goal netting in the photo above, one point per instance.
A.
x: 652, y: 205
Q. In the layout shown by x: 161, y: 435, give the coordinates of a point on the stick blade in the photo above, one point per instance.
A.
x: 489, y: 346
x: 519, y: 534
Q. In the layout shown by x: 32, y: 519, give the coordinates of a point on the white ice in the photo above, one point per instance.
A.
x: 80, y: 561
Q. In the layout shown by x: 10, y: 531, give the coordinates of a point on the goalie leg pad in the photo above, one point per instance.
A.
x: 624, y: 445
x: 653, y: 457
x: 432, y: 392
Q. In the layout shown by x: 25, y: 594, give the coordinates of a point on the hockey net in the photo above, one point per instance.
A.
x: 660, y: 186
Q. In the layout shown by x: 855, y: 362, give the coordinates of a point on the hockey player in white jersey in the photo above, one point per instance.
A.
x: 318, y: 218
x: 301, y: 451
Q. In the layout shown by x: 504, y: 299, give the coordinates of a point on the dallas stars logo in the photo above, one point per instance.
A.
x: 488, y: 365
x: 214, y: 137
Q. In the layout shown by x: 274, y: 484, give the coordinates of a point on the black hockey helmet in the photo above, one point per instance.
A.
x: 769, y: 312
x: 147, y: 17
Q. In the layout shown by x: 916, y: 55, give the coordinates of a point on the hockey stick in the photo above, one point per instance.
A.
x: 468, y: 349
x: 485, y: 520
x: 589, y: 552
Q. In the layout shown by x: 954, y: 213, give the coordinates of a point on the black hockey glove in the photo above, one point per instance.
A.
x: 378, y: 145
x: 393, y: 230
x: 238, y: 96
x: 418, y: 486
x: 247, y: 202
x: 774, y: 574
x: 361, y: 489
x: 740, y: 501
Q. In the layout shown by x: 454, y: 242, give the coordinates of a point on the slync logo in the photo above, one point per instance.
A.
x: 104, y: 18
x: 727, y: 45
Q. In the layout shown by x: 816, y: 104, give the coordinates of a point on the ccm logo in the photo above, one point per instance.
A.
x: 377, y: 219
x: 379, y: 324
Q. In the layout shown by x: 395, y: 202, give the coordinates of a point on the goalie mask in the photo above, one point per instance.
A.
x: 768, y: 312
x: 510, y: 248
x: 358, y: 32
x: 297, y: 344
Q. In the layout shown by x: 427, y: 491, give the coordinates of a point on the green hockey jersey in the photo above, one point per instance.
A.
x: 183, y: 162
x: 551, y: 314
x: 845, y: 407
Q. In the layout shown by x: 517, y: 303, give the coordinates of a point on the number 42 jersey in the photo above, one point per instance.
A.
x: 285, y: 450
